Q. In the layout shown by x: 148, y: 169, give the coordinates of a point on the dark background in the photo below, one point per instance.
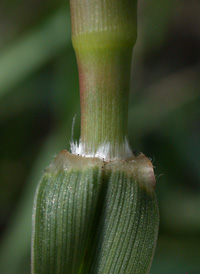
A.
x: 39, y: 98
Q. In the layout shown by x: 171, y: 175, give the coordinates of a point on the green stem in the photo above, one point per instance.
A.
x: 103, y: 35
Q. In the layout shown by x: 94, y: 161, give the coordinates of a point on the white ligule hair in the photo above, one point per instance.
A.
x: 106, y: 151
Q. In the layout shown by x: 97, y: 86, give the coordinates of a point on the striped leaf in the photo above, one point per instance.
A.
x: 95, y: 217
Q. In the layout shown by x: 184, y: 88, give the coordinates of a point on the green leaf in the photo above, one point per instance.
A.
x: 95, y: 217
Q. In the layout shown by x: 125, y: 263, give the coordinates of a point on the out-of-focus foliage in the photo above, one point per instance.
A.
x: 39, y: 98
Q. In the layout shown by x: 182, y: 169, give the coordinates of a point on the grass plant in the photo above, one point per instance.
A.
x: 95, y: 209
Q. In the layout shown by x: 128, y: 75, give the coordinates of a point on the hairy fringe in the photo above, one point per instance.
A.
x: 106, y: 151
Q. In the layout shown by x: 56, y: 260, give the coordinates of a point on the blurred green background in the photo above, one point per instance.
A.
x: 39, y: 97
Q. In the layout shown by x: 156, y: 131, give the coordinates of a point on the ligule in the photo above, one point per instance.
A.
x: 95, y: 217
